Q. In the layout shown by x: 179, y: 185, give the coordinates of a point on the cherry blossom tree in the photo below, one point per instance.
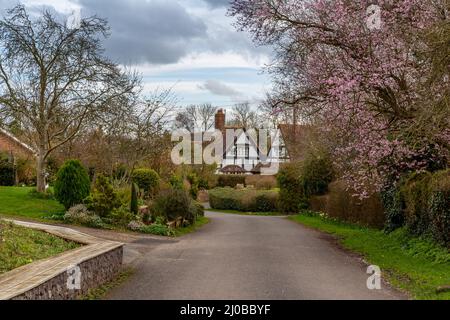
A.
x: 363, y: 72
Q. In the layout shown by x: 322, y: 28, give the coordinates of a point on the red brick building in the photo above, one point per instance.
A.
x: 14, y: 147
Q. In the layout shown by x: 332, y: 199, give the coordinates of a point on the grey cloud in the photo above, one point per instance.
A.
x: 220, y: 89
x: 218, y: 3
x: 154, y: 31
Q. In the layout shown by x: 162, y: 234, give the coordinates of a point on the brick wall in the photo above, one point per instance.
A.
x: 8, y: 145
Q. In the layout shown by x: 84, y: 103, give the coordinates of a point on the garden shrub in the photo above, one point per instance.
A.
x: 393, y: 205
x: 316, y: 174
x: 292, y: 194
x: 427, y: 205
x: 230, y: 180
x: 176, y: 182
x: 172, y: 204
x: 158, y: 229
x: 103, y: 199
x: 6, y: 173
x: 134, y: 206
x: 243, y: 200
x: 416, y: 193
x: 340, y: 203
x: 261, y: 182
x: 72, y: 184
x: 79, y: 214
x: 194, y: 184
x: 146, y: 179
x: 121, y: 216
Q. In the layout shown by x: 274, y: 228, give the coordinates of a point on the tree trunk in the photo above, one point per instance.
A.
x: 40, y: 171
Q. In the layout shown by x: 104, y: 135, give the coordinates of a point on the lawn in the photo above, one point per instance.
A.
x: 22, y: 202
x: 20, y: 246
x: 415, y: 265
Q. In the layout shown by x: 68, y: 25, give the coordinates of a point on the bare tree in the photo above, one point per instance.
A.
x: 195, y: 117
x: 244, y: 116
x: 54, y: 79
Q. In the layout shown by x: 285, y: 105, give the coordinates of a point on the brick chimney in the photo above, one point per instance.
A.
x: 220, y: 120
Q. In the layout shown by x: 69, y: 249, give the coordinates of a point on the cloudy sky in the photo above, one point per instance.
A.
x: 189, y: 45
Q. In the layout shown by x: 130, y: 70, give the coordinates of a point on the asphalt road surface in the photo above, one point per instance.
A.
x: 248, y: 258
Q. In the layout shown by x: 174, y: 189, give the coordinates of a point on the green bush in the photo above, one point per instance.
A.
x: 292, y: 194
x: 121, y: 216
x: 230, y: 180
x: 72, y: 184
x: 194, y: 182
x: 427, y: 205
x: 134, y: 206
x: 157, y: 229
x: 316, y: 175
x: 176, y: 182
x: 103, y: 199
x: 172, y: 204
x: 146, y: 179
x: 243, y: 200
x: 6, y: 173
x: 393, y: 205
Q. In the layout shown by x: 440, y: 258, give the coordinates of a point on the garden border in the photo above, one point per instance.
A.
x: 98, y: 260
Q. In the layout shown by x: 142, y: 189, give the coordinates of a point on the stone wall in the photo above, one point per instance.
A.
x: 93, y: 273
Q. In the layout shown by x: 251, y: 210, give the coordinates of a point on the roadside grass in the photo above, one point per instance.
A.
x: 22, y: 202
x: 20, y: 246
x: 415, y: 265
x: 246, y: 213
x: 201, y: 221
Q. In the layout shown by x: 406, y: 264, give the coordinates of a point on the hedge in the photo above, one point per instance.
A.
x: 426, y: 198
x: 245, y: 200
x: 231, y: 180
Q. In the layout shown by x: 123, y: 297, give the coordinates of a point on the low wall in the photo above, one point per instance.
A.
x: 68, y: 275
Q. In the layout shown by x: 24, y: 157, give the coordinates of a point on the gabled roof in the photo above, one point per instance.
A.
x: 17, y: 142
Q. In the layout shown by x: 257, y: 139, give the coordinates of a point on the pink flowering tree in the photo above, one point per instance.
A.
x: 364, y: 74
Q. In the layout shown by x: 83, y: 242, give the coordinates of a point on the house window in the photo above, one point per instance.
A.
x: 247, y: 151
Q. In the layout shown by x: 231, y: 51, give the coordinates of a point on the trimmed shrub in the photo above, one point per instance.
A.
x: 103, y: 199
x: 72, y: 184
x: 292, y: 194
x: 172, y: 204
x: 230, y: 180
x: 316, y: 175
x: 146, y: 179
x: 6, y: 173
x: 134, y: 206
x: 340, y: 204
x: 261, y: 182
x: 243, y: 200
x: 427, y: 205
x: 393, y: 205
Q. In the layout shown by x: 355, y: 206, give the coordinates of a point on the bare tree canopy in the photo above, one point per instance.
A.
x: 54, y: 79
x: 244, y: 116
x: 196, y: 117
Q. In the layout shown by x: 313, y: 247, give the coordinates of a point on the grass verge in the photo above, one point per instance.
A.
x: 20, y: 246
x: 100, y: 292
x: 415, y: 265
